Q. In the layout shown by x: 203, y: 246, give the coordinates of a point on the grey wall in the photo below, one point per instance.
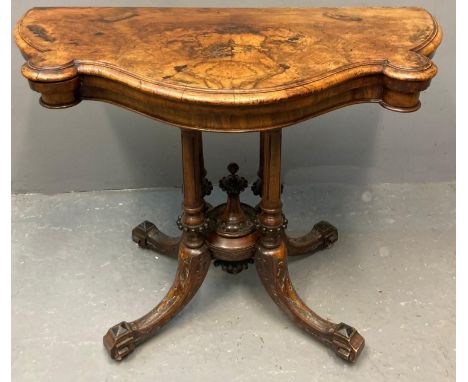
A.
x: 96, y: 146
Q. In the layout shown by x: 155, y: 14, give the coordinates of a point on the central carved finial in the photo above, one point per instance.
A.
x: 232, y: 234
x: 232, y: 220
x: 233, y: 184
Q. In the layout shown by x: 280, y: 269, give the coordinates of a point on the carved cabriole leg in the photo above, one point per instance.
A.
x: 147, y: 235
x: 193, y: 266
x: 271, y: 262
x: 343, y: 339
x: 321, y: 236
x: 194, y: 262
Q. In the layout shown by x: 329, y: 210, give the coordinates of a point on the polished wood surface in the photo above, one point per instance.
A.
x: 229, y: 69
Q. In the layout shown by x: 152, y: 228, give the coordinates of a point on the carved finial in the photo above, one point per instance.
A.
x: 233, y: 184
x: 233, y: 168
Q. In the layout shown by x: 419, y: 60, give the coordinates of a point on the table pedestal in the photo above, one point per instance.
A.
x: 233, y: 234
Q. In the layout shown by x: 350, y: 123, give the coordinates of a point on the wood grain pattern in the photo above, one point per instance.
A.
x: 229, y: 69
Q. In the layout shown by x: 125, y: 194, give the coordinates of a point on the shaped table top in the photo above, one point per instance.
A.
x: 229, y: 69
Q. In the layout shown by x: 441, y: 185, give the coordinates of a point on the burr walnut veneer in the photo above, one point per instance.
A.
x: 230, y: 70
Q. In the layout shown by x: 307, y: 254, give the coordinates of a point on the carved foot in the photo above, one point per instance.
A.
x: 347, y: 342
x: 193, y: 266
x: 119, y: 341
x: 147, y: 235
x: 272, y: 268
x: 322, y: 236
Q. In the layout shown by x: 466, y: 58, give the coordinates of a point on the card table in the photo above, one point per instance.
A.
x: 230, y: 71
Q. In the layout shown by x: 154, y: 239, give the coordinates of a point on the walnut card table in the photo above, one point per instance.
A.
x: 230, y: 70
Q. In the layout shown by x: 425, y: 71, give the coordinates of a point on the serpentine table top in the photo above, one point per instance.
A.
x: 229, y: 69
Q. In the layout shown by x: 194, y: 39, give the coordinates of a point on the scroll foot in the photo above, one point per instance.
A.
x: 321, y: 236
x: 119, y: 341
x: 147, y: 235
x: 347, y: 342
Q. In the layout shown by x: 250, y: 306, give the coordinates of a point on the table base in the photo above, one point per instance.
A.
x: 234, y: 235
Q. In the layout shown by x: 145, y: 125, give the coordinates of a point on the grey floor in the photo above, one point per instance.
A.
x: 391, y: 274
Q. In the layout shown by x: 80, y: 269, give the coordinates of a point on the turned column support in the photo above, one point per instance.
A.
x: 146, y: 234
x: 271, y: 221
x: 193, y: 218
